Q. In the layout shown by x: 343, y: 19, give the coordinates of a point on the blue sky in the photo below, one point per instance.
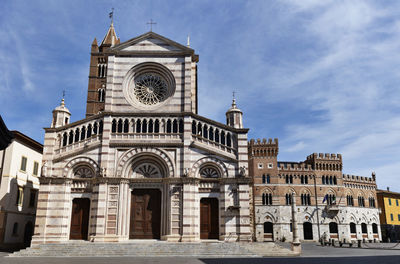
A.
x: 322, y: 76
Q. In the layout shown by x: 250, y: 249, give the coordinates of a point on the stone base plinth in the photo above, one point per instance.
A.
x: 296, y: 247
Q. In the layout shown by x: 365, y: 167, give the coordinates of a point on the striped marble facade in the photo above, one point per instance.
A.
x: 114, y: 143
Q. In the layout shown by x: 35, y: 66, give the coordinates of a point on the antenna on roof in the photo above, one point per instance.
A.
x: 188, y: 41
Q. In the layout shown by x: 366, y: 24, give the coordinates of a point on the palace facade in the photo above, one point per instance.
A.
x: 330, y: 204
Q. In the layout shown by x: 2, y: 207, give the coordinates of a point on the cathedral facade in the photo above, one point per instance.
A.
x: 143, y: 164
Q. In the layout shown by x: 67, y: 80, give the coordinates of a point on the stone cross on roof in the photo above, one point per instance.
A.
x: 151, y: 23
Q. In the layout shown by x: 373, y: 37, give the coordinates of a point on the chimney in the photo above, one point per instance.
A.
x: 387, y: 188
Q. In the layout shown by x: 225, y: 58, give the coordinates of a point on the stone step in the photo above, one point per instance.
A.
x: 156, y: 248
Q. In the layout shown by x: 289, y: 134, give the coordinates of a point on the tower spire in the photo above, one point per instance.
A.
x: 110, y: 39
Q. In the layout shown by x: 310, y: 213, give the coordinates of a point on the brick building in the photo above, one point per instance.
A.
x: 329, y: 203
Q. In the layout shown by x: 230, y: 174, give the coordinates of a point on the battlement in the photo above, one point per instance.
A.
x: 355, y: 178
x: 264, y: 142
x: 290, y: 166
x: 326, y: 156
x: 263, y: 148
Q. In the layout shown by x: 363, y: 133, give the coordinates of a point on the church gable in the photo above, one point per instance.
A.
x: 151, y: 42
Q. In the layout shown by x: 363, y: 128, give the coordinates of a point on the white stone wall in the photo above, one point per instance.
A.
x: 12, y: 178
x: 280, y: 216
x: 118, y: 68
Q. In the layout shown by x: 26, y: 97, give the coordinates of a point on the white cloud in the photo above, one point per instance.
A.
x: 297, y: 147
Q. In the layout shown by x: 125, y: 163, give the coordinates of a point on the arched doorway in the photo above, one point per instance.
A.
x: 333, y: 230
x: 28, y: 234
x: 307, y: 230
x: 209, y: 224
x: 145, y: 222
x: 80, y: 218
x: 364, y: 230
x: 353, y: 231
x: 268, y: 231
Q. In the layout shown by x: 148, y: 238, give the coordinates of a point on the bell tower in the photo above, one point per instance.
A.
x: 97, y: 88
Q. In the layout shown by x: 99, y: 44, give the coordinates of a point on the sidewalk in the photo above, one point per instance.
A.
x: 313, y: 249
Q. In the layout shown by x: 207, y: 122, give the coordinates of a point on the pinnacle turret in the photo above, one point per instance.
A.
x: 61, y: 115
x: 234, y: 116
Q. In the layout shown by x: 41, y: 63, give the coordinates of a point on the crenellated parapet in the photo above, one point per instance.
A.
x: 326, y: 156
x: 294, y: 166
x: 359, y: 179
x: 264, y: 147
x: 326, y: 162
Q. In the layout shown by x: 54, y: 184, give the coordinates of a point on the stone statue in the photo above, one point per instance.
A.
x: 44, y: 169
x: 242, y: 171
x: 186, y: 172
x: 103, y: 172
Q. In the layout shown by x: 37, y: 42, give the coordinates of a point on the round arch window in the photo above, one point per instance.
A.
x: 147, y: 170
x: 209, y: 172
x: 83, y: 172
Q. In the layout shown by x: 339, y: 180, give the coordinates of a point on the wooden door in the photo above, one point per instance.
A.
x: 80, y: 218
x: 145, y: 214
x: 209, y: 226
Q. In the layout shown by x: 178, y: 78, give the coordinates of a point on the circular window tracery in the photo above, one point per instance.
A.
x: 147, y: 170
x: 209, y: 172
x: 83, y: 172
x: 148, y: 85
x: 150, y: 89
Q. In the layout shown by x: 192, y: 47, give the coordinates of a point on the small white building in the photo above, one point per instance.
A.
x: 20, y: 165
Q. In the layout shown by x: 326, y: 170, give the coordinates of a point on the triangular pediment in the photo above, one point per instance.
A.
x: 151, y: 42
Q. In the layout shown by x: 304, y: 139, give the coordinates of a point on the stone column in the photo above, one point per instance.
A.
x: 190, y: 212
x: 244, y: 205
x: 296, y: 245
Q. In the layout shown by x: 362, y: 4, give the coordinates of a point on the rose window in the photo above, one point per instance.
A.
x: 150, y: 89
x: 209, y: 172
